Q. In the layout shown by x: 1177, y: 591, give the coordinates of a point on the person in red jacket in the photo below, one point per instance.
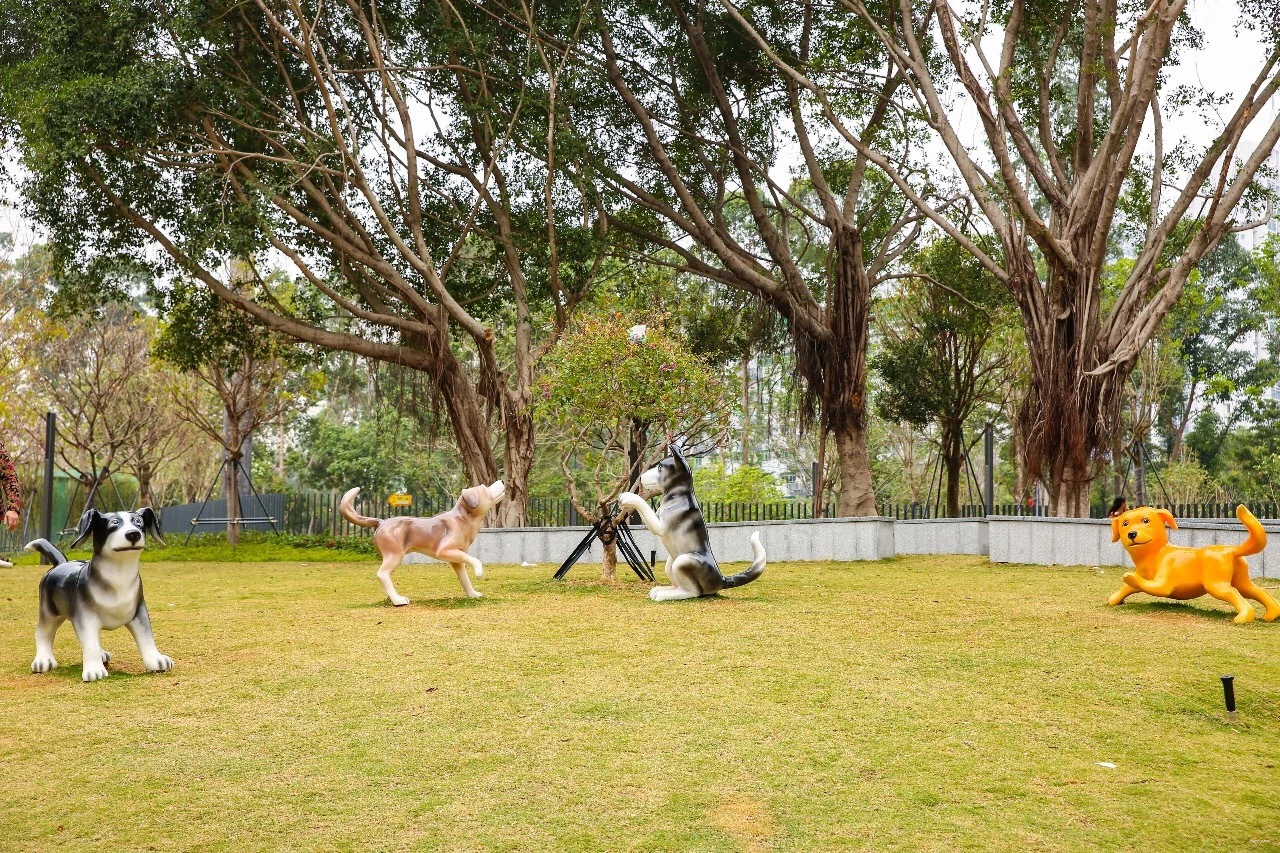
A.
x: 9, y: 485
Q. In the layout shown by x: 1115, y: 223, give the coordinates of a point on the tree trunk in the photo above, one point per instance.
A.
x: 470, y: 427
x: 637, y: 440
x: 952, y: 460
x: 609, y: 563
x: 1175, y: 454
x: 857, y: 497
x: 746, y: 410
x: 144, y: 497
x: 1070, y: 414
x: 520, y: 438
x: 235, y: 417
x: 1069, y: 495
x: 844, y: 375
x: 1117, y: 465
x: 231, y: 489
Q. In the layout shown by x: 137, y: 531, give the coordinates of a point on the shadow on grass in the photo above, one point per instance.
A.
x: 458, y: 602
x: 72, y: 672
x: 1179, y: 608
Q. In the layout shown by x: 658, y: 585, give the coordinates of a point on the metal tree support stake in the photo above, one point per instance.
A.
x: 989, y: 457
x: 50, y: 436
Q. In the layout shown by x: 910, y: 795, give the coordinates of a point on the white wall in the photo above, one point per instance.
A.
x: 1087, y: 542
x: 838, y: 539
x: 1006, y: 539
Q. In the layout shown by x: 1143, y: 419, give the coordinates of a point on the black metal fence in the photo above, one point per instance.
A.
x: 316, y: 513
x: 1215, y: 510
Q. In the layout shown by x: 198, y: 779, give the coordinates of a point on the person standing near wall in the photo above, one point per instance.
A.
x: 12, y: 495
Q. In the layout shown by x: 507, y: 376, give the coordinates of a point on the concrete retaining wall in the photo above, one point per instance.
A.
x: 784, y: 541
x: 1052, y: 541
x: 1087, y: 542
x: 1006, y: 539
x: 941, y: 536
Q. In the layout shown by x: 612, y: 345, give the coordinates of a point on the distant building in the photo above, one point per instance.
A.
x: 793, y: 485
x: 1255, y: 237
x: 1250, y: 240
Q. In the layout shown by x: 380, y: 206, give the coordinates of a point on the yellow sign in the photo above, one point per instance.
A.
x: 399, y: 499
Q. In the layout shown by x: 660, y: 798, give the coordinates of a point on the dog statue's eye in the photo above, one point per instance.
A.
x: 1124, y: 524
x: 1146, y: 521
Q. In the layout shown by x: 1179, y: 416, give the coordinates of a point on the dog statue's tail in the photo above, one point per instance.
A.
x: 1257, y: 533
x: 753, y: 571
x: 347, y: 507
x: 48, y: 550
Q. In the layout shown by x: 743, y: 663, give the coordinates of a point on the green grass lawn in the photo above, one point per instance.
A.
x: 918, y: 703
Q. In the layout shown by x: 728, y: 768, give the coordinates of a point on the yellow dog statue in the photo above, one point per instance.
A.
x: 1171, y: 572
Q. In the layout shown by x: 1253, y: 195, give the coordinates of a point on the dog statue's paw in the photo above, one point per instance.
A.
x: 1244, y: 616
x: 93, y: 671
x: 106, y: 657
x: 480, y: 571
x: 399, y: 600
x: 44, y: 663
x: 475, y: 595
x: 1131, y: 578
x: 630, y: 499
x: 161, y: 663
x: 659, y: 593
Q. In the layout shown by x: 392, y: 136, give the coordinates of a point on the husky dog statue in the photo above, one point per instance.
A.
x: 691, y: 566
x: 99, y: 594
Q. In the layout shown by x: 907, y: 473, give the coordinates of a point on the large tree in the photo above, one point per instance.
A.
x: 93, y: 373
x: 730, y: 166
x: 1221, y: 308
x: 946, y: 353
x: 617, y: 393
x: 257, y: 377
x: 356, y: 144
x: 1071, y: 99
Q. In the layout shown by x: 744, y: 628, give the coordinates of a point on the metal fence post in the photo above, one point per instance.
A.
x: 989, y: 477
x: 50, y: 436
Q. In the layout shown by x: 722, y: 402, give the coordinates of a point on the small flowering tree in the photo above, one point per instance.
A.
x: 614, y: 393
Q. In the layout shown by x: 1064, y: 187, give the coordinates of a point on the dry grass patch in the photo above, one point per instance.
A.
x: 915, y: 703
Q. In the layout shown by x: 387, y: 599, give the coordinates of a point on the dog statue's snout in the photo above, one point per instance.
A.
x: 133, y: 536
x: 1133, y: 534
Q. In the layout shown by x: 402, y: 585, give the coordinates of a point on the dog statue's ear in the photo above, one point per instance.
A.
x: 1115, y: 527
x: 87, y: 522
x: 1167, y: 517
x: 151, y: 523
x: 469, y: 498
x: 679, y: 457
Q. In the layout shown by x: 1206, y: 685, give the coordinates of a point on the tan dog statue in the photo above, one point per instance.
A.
x: 1171, y: 572
x: 445, y: 537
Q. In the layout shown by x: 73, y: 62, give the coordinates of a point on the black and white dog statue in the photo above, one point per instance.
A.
x: 679, y: 524
x: 99, y: 594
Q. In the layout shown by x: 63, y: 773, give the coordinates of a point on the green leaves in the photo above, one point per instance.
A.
x: 747, y: 484
x: 200, y: 329
x: 598, y: 375
x: 937, y: 332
